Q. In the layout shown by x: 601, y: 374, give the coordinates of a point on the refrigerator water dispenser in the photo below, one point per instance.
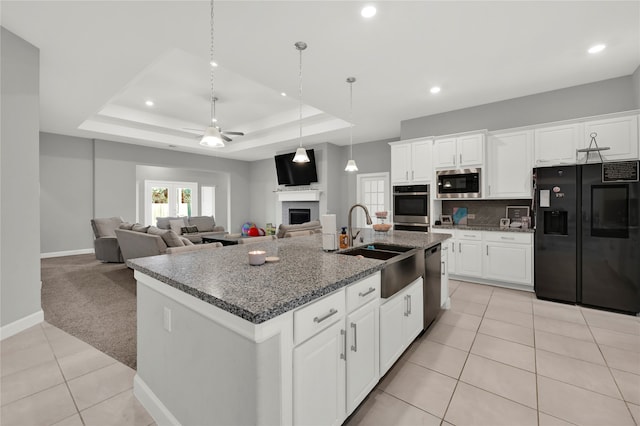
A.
x: 555, y: 222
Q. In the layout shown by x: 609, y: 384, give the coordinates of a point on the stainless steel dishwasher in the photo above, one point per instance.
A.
x: 431, y: 284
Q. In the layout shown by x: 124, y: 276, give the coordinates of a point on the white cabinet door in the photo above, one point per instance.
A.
x: 414, y: 317
x: 445, y: 152
x: 391, y: 339
x: 469, y: 258
x: 470, y: 150
x: 452, y: 256
x: 444, y: 275
x: 509, y: 165
x: 508, y: 262
x: 319, y: 378
x: 620, y: 134
x: 422, y: 164
x: 557, y: 145
x: 362, y: 353
x: 400, y: 163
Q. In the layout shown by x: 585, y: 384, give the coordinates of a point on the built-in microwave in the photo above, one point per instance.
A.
x: 462, y: 183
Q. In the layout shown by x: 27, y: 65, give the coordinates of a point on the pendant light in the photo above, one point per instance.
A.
x: 212, y: 137
x: 351, y: 164
x: 301, y: 153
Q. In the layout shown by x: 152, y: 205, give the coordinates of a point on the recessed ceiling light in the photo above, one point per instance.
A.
x: 283, y: 94
x: 213, y: 64
x: 435, y: 89
x: 368, y: 11
x: 597, y: 48
x: 149, y: 103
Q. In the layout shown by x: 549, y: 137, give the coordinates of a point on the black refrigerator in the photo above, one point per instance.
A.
x: 587, y: 236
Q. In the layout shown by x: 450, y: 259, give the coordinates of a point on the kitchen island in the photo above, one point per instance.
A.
x: 223, y: 342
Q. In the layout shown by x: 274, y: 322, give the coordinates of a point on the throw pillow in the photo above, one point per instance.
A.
x: 139, y: 228
x: 189, y: 229
x: 172, y: 239
x: 176, y: 225
x: 126, y: 225
x: 156, y: 231
x: 186, y: 241
x: 204, y: 223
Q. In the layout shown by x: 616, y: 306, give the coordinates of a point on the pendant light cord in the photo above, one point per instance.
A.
x: 211, y: 66
x: 300, y: 94
x: 351, y: 120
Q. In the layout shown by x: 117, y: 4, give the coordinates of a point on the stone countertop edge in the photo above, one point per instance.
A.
x: 484, y: 228
x: 256, y: 294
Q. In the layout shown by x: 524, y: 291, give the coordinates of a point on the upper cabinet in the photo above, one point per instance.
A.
x: 411, y: 161
x: 509, y: 165
x: 557, y: 145
x: 620, y: 134
x: 459, y: 152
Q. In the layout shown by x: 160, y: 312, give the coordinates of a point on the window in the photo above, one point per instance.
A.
x: 373, y: 192
x: 169, y: 199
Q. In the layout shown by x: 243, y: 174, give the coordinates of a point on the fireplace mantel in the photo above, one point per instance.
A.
x: 304, y: 195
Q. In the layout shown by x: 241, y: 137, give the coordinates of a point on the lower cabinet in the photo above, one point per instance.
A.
x: 401, y: 320
x: 319, y: 378
x: 336, y: 364
x: 445, y: 303
x: 508, y: 257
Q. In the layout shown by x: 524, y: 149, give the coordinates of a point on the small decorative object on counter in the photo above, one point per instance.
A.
x: 504, y: 223
x: 344, y: 239
x: 257, y: 257
x: 381, y: 226
x: 446, y: 219
x: 459, y: 215
x: 526, y: 222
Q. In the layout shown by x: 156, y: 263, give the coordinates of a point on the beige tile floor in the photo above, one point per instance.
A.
x: 49, y: 377
x: 498, y: 357
x: 502, y: 357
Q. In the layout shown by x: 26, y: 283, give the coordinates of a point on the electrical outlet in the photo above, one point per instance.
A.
x: 167, y: 319
x: 471, y: 216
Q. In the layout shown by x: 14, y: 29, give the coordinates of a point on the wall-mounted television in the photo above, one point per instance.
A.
x: 292, y: 174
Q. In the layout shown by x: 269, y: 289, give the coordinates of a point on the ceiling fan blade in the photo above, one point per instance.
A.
x: 233, y: 133
x: 226, y: 139
x: 195, y: 130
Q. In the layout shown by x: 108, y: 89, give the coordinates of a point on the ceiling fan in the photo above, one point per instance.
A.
x: 223, y: 134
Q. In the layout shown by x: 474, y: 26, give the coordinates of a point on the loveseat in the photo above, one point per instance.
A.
x: 144, y: 241
x: 193, y: 228
x: 307, y: 228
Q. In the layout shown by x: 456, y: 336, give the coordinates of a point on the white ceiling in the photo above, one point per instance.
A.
x: 100, y: 61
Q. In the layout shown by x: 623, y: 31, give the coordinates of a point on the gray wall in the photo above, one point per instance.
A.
x: 263, y: 181
x: 66, y: 193
x: 602, y: 97
x: 19, y: 175
x: 636, y: 87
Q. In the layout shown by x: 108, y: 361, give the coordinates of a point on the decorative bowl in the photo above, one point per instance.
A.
x: 381, y: 227
x: 381, y: 215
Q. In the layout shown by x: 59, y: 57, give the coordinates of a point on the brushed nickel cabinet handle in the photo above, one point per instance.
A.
x: 354, y: 347
x: 443, y: 268
x: 368, y: 292
x: 343, y: 354
x: 324, y: 317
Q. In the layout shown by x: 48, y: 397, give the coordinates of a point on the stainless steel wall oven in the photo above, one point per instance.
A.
x: 411, y: 208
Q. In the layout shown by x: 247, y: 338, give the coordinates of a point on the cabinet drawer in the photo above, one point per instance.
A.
x: 469, y: 235
x: 317, y: 316
x: 363, y: 291
x: 509, y: 237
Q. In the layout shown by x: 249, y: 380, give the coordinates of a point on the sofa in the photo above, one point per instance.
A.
x: 105, y: 243
x: 307, y: 228
x: 193, y: 228
x: 143, y: 241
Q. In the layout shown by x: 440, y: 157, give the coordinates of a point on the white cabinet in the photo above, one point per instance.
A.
x: 362, y: 354
x: 319, y: 379
x: 459, y: 152
x: 411, y: 162
x: 620, y: 134
x: 328, y: 343
x: 469, y: 253
x: 445, y: 302
x: 509, y: 165
x: 401, y: 320
x: 508, y: 257
x: 557, y: 145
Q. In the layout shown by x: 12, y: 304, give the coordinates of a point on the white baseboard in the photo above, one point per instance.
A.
x: 66, y: 253
x: 160, y: 413
x: 21, y: 325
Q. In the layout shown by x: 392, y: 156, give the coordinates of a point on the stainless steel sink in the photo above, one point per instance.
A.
x: 404, y: 265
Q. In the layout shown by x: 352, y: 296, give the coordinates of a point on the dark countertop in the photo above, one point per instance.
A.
x: 483, y: 228
x: 305, y: 272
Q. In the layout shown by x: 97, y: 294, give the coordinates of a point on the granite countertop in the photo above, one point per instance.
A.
x: 304, y: 272
x: 483, y: 228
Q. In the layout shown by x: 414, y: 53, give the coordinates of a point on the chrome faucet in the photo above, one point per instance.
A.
x: 369, y: 222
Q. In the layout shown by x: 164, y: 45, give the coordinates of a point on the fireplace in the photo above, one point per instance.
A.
x: 297, y: 216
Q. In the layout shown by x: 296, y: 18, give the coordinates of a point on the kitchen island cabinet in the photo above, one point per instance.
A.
x: 222, y: 342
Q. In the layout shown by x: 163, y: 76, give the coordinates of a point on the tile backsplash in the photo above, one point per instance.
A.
x: 486, y: 212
